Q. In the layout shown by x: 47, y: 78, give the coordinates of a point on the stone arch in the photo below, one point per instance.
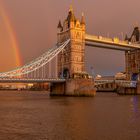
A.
x: 66, y: 73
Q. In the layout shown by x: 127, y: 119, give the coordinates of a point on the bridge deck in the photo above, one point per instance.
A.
x: 109, y: 43
x: 31, y: 80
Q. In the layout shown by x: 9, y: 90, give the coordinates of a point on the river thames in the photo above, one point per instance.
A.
x: 36, y: 116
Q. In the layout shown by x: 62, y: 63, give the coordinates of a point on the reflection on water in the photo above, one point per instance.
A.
x: 36, y: 116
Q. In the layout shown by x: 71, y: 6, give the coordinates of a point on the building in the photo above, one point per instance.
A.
x: 71, y: 60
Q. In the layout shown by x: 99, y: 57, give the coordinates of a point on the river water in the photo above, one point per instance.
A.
x: 36, y: 116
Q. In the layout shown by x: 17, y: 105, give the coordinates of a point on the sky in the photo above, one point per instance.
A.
x: 34, y: 23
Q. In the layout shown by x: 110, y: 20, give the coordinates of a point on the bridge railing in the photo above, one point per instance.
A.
x: 28, y: 80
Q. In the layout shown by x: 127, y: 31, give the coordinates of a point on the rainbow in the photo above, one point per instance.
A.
x: 12, y: 35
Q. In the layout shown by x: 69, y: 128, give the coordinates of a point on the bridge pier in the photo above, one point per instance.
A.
x: 127, y: 90
x: 57, y: 89
x: 74, y: 87
x: 132, y: 90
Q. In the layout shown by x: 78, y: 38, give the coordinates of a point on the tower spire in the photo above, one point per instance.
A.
x: 60, y: 27
x: 71, y: 16
x: 83, y: 19
x: 71, y: 8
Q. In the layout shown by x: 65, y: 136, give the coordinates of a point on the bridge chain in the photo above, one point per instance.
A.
x: 37, y: 63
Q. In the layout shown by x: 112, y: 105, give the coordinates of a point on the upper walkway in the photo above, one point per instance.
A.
x: 109, y: 43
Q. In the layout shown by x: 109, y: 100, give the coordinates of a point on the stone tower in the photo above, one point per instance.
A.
x: 133, y: 57
x: 71, y: 59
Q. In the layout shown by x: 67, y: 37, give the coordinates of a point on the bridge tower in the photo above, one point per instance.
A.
x: 133, y: 57
x: 71, y: 60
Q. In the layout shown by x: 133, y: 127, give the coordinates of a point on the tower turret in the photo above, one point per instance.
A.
x: 83, y: 19
x: 71, y: 18
x: 135, y: 37
x: 60, y: 27
x: 83, y: 22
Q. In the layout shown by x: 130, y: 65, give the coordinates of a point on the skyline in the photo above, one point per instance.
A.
x: 42, y: 33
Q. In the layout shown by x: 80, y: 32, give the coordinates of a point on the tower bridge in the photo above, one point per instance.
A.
x: 69, y: 52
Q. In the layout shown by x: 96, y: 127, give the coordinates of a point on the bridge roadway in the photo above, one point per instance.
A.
x: 10, y: 80
x: 97, y: 82
x: 109, y: 43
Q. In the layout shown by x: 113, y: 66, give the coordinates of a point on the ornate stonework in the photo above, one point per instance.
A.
x: 71, y: 60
